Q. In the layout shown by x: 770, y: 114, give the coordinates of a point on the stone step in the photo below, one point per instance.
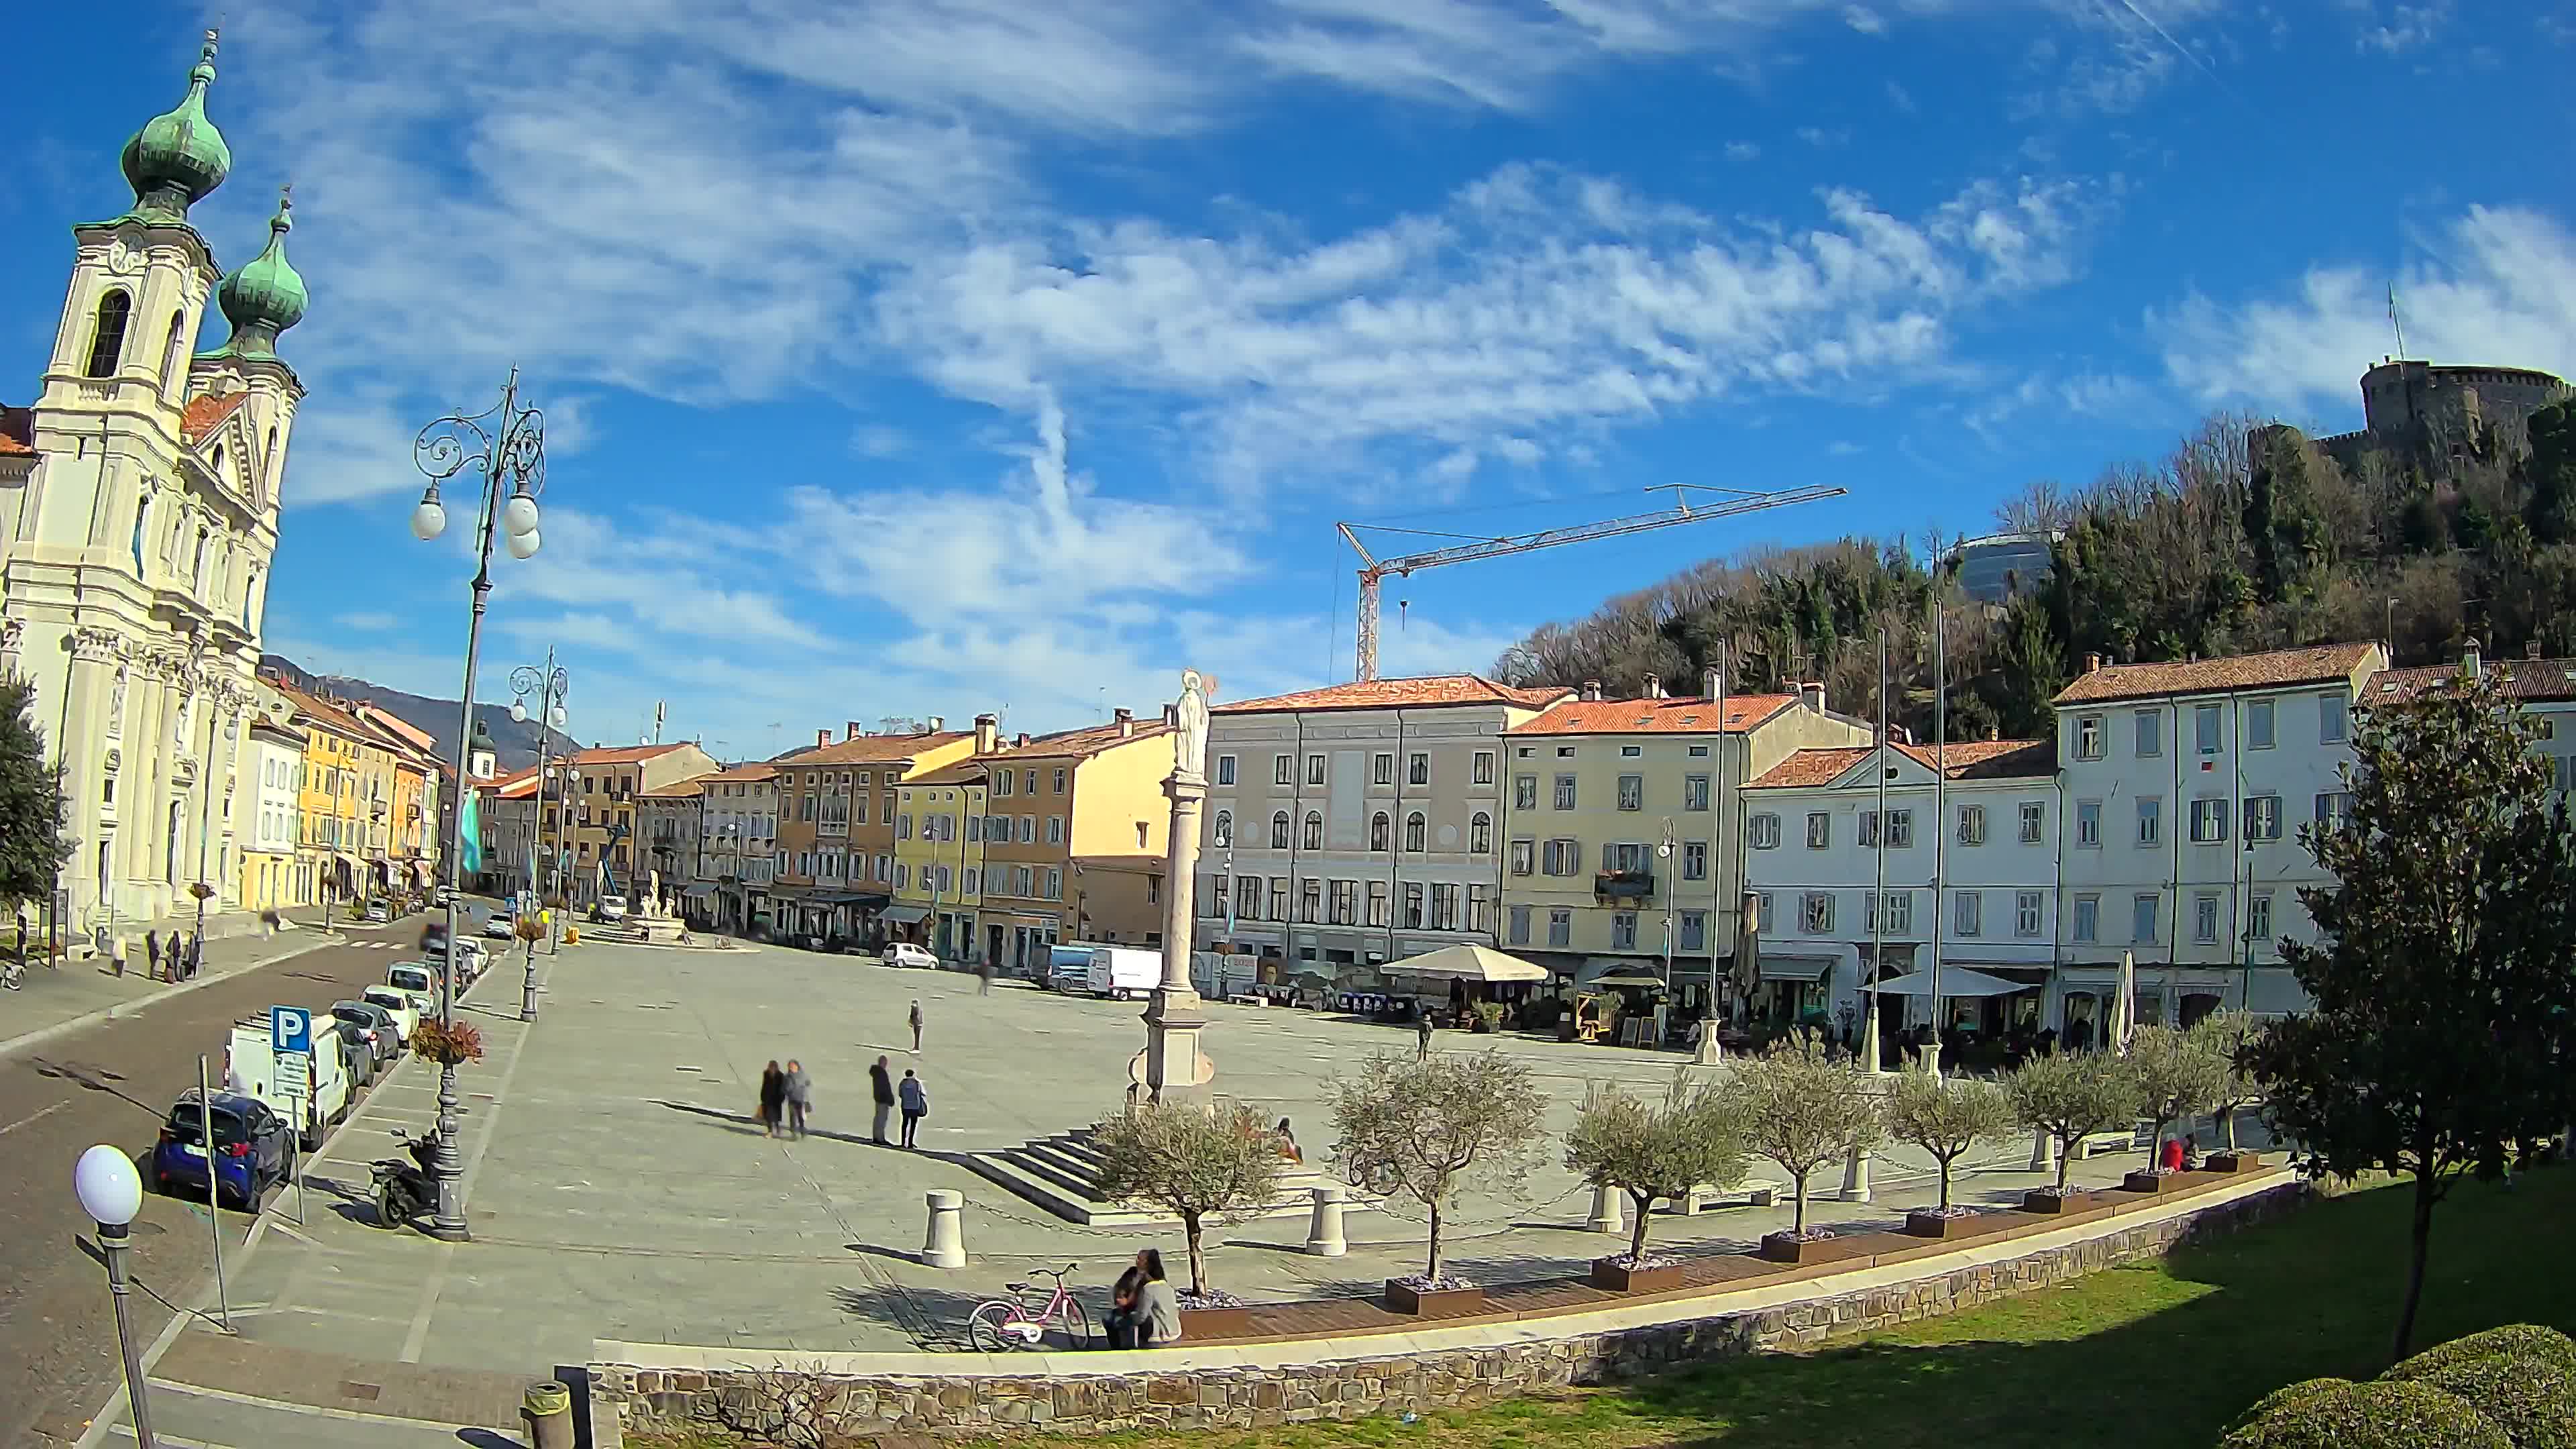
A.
x: 1061, y: 1174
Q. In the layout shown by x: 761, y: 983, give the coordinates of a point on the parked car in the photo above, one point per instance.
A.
x: 385, y: 1035
x: 417, y: 980
x: 904, y: 953
x: 378, y: 913
x: 500, y: 926
x: 610, y: 908
x: 254, y: 1149
x: 357, y: 1050
x: 397, y: 1004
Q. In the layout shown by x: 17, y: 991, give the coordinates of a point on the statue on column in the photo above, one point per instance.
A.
x: 116, y: 702
x: 1189, y: 743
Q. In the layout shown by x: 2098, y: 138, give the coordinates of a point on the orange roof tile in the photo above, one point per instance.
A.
x: 206, y: 411
x: 1667, y: 716
x: 623, y: 754
x: 968, y: 771
x: 677, y: 790
x: 17, y: 433
x: 2528, y: 680
x: 744, y: 774
x: 872, y: 749
x: 1078, y: 743
x: 1965, y: 760
x: 331, y: 715
x: 1415, y: 693
x: 2274, y: 669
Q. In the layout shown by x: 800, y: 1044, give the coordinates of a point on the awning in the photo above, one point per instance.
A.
x: 1955, y: 981
x: 905, y: 915
x: 699, y: 892
x: 870, y: 900
x: 1471, y: 963
x: 1803, y: 968
x: 1627, y: 979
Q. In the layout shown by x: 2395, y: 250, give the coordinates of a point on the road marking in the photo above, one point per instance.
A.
x: 121, y: 1432
x: 288, y: 1406
x: 429, y: 1292
x: 32, y: 1117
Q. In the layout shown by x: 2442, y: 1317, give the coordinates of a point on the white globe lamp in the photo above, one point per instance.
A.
x: 110, y: 1190
x: 522, y: 545
x: 429, y: 520
x: 519, y: 515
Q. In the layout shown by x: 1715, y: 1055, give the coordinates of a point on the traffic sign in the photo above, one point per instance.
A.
x: 294, y: 1078
x: 290, y: 1028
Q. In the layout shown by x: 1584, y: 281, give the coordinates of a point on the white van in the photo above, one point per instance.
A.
x: 1069, y: 967
x: 1121, y: 972
x: 250, y: 1068
x: 416, y: 980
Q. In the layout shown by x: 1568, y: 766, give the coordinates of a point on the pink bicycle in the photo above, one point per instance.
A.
x: 1001, y: 1324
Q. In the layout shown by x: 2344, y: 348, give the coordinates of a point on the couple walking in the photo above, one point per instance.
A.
x: 785, y: 1098
x: 909, y: 1094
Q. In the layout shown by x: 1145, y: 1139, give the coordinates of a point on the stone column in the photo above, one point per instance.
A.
x: 1609, y: 1210
x: 1324, y: 1229
x: 944, y: 1245
x: 1175, y: 1065
x: 1856, y: 1176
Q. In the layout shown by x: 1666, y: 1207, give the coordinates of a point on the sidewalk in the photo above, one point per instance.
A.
x: 67, y: 997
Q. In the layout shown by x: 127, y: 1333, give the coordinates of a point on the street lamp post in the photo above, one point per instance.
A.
x: 507, y: 445
x: 549, y: 685
x: 112, y: 1193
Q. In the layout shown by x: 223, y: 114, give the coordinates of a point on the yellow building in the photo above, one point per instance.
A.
x: 939, y: 858
x: 1088, y: 792
x: 343, y: 801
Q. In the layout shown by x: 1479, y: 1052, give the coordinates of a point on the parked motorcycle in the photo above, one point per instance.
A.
x: 403, y: 1189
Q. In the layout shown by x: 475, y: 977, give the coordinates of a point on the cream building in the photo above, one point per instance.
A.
x: 273, y: 758
x: 139, y: 501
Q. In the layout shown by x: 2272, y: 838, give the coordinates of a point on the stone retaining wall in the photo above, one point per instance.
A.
x: 821, y: 1410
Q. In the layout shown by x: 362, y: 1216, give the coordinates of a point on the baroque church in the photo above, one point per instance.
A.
x: 139, y: 494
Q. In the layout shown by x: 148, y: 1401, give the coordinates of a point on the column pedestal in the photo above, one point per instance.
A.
x: 1176, y: 1064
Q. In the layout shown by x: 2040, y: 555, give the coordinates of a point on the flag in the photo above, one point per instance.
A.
x: 470, y: 859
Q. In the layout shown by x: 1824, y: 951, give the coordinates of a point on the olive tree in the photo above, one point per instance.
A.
x: 1426, y: 1128
x: 1947, y: 1118
x: 1653, y: 1153
x: 1192, y: 1163
x: 2177, y: 1077
x: 2226, y: 1035
x: 1801, y: 1109
x: 2072, y: 1097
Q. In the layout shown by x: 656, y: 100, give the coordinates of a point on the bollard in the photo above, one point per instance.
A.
x: 2041, y: 1159
x: 945, y: 1246
x: 1324, y: 1230
x: 546, y: 1408
x: 1609, y: 1210
x: 1856, y: 1176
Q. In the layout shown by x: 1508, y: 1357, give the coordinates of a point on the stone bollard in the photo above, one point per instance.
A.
x: 945, y: 1246
x: 1609, y: 1210
x: 546, y: 1408
x: 1324, y: 1230
x: 1856, y: 1176
x: 2041, y: 1158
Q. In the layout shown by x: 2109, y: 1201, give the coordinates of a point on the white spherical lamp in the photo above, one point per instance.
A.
x: 557, y: 716
x: 522, y: 545
x: 110, y: 1190
x: 429, y: 520
x: 518, y: 712
x: 519, y: 515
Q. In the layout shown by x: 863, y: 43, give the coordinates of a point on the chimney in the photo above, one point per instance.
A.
x: 1592, y: 690
x: 935, y: 724
x: 1126, y: 720
x: 822, y: 738
x: 1708, y: 682
x: 2531, y: 648
x: 854, y: 730
x: 988, y: 732
x: 2469, y: 662
x: 1814, y: 695
x: 2092, y: 663
x: 1171, y: 716
x: 1654, y: 686
x: 1020, y: 740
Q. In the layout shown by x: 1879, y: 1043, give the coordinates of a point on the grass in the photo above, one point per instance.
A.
x: 2155, y: 1356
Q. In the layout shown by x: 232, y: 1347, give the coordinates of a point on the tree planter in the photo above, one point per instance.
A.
x: 1199, y: 1324
x: 2039, y: 1200
x: 2236, y: 1162
x: 1933, y: 1225
x: 2151, y: 1182
x: 1790, y: 1248
x: 1611, y: 1276
x: 1403, y: 1297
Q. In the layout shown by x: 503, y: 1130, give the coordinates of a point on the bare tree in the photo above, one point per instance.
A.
x: 1427, y: 1128
x: 1801, y: 1109
x: 2225, y: 1035
x: 1947, y: 1118
x: 2177, y: 1076
x: 2070, y: 1097
x: 1191, y: 1163
x: 1654, y: 1153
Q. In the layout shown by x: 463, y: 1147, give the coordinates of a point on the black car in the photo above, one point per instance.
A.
x: 386, y: 1034
x: 357, y: 1051
x: 254, y: 1149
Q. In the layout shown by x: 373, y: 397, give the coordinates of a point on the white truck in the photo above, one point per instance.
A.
x: 1121, y: 972
x: 1222, y: 976
x: 321, y: 1100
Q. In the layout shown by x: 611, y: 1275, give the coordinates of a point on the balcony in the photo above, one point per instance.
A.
x: 1623, y: 885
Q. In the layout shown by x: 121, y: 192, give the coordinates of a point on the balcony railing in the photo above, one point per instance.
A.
x: 1624, y: 885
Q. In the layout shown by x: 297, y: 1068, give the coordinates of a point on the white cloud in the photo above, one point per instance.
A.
x: 367, y: 622
x: 1864, y: 20
x: 876, y: 440
x: 2498, y: 287
x: 1742, y: 151
x: 2409, y: 28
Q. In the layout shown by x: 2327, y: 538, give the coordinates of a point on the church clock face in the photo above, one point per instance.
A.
x: 125, y: 254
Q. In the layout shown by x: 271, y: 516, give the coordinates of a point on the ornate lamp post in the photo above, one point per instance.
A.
x: 111, y: 1192
x: 549, y: 685
x: 507, y: 446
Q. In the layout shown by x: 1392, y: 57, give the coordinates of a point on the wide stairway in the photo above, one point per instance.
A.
x: 1061, y: 1174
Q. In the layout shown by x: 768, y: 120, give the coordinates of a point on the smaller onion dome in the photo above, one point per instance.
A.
x: 266, y: 296
x: 179, y: 156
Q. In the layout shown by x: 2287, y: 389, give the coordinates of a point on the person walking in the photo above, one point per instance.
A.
x: 1422, y: 1037
x: 800, y: 1097
x: 773, y: 1097
x: 881, y: 1085
x: 984, y: 976
x: 152, y: 950
x: 916, y: 1104
x: 916, y: 1031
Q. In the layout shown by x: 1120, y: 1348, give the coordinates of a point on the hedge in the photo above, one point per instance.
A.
x: 2378, y: 1415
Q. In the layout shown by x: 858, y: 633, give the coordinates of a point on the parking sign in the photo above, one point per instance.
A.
x: 290, y: 1028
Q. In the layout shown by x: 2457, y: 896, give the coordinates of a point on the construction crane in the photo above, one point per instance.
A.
x: 1373, y: 569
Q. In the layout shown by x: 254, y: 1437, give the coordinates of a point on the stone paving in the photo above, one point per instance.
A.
x: 60, y: 999
x: 618, y: 1193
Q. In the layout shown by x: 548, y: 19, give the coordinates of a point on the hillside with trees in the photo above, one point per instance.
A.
x: 2245, y: 537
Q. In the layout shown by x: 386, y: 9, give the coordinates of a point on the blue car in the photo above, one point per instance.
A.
x: 254, y: 1150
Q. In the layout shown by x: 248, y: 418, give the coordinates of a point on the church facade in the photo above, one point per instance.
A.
x: 139, y: 499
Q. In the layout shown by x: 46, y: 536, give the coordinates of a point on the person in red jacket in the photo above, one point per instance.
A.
x: 2170, y: 1156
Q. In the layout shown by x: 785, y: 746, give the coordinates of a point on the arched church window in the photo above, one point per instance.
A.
x: 107, y: 339
x: 142, y: 511
x: 170, y: 354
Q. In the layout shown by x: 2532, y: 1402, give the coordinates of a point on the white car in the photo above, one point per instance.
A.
x: 500, y: 927
x: 611, y: 908
x: 904, y: 953
x: 397, y: 1004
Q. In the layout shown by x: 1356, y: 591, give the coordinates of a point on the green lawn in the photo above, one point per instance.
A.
x: 2163, y: 1354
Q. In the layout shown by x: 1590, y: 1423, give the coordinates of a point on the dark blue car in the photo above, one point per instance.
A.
x: 254, y: 1150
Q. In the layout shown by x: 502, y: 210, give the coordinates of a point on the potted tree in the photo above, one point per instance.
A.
x: 1651, y: 1154
x: 2226, y: 1035
x: 1801, y: 1110
x: 1195, y: 1165
x: 1946, y: 1119
x: 2177, y: 1077
x: 2070, y: 1097
x: 1425, y: 1129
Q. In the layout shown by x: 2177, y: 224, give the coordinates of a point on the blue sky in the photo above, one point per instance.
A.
x: 952, y: 355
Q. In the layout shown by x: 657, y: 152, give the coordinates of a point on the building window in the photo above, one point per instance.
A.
x: 2088, y: 918
x: 2333, y: 807
x: 1694, y: 860
x: 2330, y: 719
x: 1560, y: 927
x: 974, y: 878
x: 1623, y: 930
x: 1279, y: 830
x: 1413, y: 831
x: 2088, y: 737
x: 2204, y: 728
x: 1764, y: 831
x: 2151, y: 820
x: 1559, y: 857
x: 1900, y: 829
x: 1632, y: 792
x: 1972, y: 825
x: 1225, y: 769
x: 1314, y: 769
x: 2262, y: 817
x: 1055, y: 830
x: 1524, y: 853
x: 1900, y: 912
x: 2258, y: 725
x: 1412, y: 917
x: 1282, y: 770
x: 1820, y: 830
x: 1525, y: 792
x: 1480, y: 833
x: 1382, y: 769
x: 2150, y: 725
x: 1763, y: 919
x: 1519, y: 917
x: 1967, y: 912
x: 2142, y: 920
x: 2088, y: 822
x: 1379, y: 828
x: 1694, y: 792
x: 1310, y: 900
x: 107, y: 335
x: 1224, y: 828
x: 1444, y: 906
x: 1484, y: 767
x: 1003, y: 781
x: 2027, y: 909
x: 1059, y: 780
x: 1417, y: 770
x: 1029, y: 781
x: 1565, y: 792
x: 1377, y: 903
x: 1816, y: 912
x: 1314, y: 832
x: 1279, y: 898
x: 1694, y: 933
x: 2208, y: 820
x: 1247, y: 898
x: 2258, y: 916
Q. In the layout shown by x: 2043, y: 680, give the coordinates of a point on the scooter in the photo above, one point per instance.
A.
x: 403, y: 1189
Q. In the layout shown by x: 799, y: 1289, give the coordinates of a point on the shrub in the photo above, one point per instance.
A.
x: 2519, y: 1340
x: 1426, y: 1129
x: 2521, y: 1376
x: 2303, y: 1390
x: 1191, y: 1163
x: 2370, y: 1416
x: 1800, y: 1108
x: 1653, y: 1153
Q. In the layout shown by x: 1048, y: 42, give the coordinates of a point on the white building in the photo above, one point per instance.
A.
x: 738, y: 841
x: 1979, y: 886
x: 2184, y: 786
x: 267, y: 825
x: 1295, y: 784
x: 2543, y: 688
x: 667, y: 823
x: 138, y: 498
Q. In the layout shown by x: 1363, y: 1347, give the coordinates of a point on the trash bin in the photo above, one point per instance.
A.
x: 547, y: 1409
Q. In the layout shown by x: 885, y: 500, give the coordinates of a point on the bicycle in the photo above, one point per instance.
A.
x: 1001, y: 1324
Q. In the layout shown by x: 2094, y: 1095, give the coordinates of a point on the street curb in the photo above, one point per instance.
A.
x: 28, y: 1041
